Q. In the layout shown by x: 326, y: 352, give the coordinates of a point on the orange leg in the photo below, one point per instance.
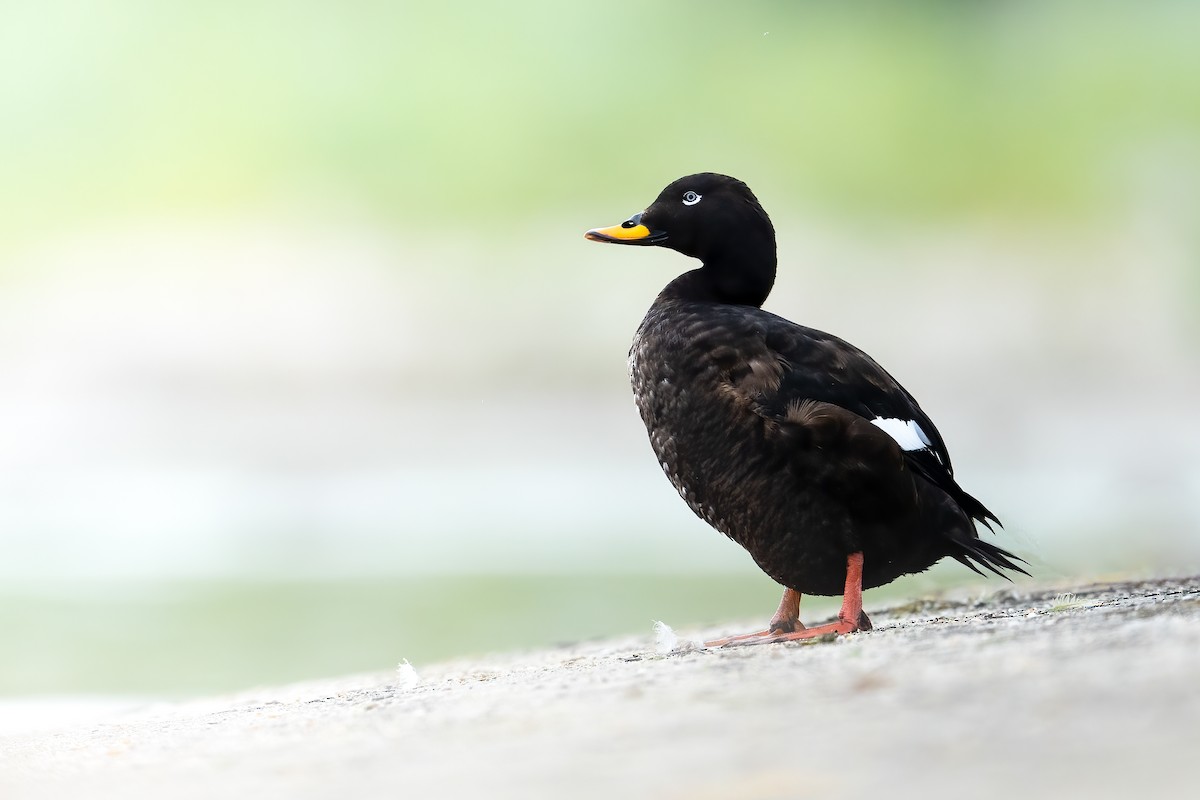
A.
x: 786, y: 620
x: 850, y: 619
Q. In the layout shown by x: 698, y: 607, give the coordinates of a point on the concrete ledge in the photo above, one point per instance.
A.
x: 1085, y: 691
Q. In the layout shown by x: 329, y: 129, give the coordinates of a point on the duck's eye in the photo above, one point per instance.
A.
x: 690, y: 198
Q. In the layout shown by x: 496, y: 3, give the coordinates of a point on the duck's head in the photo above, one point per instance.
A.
x: 716, y: 219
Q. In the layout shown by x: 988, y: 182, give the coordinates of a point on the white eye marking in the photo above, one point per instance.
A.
x: 906, y: 432
x: 690, y: 198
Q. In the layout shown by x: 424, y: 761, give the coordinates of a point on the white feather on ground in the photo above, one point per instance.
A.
x: 406, y: 676
x: 667, y: 641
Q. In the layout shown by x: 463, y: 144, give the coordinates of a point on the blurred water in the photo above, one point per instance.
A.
x: 216, y: 401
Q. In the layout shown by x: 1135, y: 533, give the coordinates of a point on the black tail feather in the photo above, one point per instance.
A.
x: 989, y: 556
x: 977, y: 510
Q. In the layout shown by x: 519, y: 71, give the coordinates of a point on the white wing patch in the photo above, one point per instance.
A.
x: 906, y: 432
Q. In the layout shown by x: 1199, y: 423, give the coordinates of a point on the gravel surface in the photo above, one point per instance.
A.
x: 1085, y: 691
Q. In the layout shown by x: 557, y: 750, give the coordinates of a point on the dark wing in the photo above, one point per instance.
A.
x: 782, y: 365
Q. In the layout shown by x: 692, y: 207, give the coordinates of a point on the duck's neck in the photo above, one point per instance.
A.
x: 742, y: 275
x: 742, y: 272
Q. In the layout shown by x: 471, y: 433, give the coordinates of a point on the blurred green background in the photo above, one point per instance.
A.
x: 305, y: 367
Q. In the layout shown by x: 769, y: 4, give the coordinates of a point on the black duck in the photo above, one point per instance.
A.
x: 792, y: 442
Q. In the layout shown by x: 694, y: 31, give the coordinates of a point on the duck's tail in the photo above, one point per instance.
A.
x: 975, y: 509
x: 968, y: 549
x: 976, y: 553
